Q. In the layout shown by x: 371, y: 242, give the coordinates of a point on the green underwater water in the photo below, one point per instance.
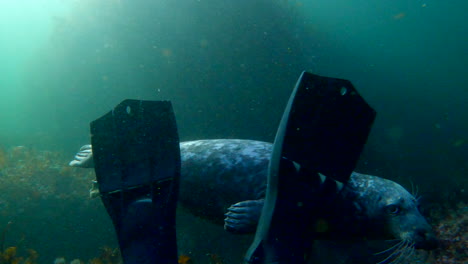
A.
x: 228, y: 67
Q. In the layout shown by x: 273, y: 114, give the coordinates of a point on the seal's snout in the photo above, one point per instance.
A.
x: 426, y: 239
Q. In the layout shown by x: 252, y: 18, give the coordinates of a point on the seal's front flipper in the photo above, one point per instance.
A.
x: 242, y: 217
x: 137, y: 163
x: 323, y: 130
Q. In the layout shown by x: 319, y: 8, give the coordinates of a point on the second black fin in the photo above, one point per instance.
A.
x: 323, y: 130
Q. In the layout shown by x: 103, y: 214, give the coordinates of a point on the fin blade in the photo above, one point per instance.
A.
x: 126, y: 142
x: 327, y: 126
x: 323, y: 130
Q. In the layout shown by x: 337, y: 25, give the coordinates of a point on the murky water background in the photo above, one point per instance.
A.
x: 228, y: 67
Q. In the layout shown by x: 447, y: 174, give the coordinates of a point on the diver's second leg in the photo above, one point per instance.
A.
x: 144, y: 224
x: 137, y: 163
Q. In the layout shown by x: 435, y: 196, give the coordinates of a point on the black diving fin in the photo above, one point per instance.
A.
x: 323, y: 131
x: 137, y: 163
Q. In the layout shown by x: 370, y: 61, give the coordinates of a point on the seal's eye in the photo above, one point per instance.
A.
x: 393, y: 209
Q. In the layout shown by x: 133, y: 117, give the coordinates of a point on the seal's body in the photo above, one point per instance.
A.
x: 216, y: 174
x: 230, y: 175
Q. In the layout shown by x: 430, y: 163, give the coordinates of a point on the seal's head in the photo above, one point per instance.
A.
x: 390, y: 212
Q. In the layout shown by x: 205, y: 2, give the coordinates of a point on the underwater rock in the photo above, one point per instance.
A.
x: 60, y: 260
x: 76, y: 261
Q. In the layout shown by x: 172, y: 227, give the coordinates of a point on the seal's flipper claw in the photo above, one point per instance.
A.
x: 242, y: 217
x: 86, y: 147
x: 237, y: 210
x: 323, y: 130
x: 84, y: 158
x: 137, y: 163
x: 239, y: 226
x: 237, y: 215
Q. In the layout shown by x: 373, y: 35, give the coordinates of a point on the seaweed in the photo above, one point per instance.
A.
x: 108, y: 256
x: 184, y: 259
x: 3, y: 158
x: 215, y: 259
x: 3, y: 236
x: 9, y: 256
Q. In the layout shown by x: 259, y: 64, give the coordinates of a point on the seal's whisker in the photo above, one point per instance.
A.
x: 403, y: 252
x: 385, y: 260
x: 390, y: 248
x: 391, y: 240
x: 395, y: 254
x: 414, y: 190
x: 411, y: 252
x: 401, y: 256
x: 406, y: 253
x: 417, y: 198
x: 390, y: 258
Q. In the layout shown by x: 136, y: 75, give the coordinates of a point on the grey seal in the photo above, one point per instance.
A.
x: 224, y: 181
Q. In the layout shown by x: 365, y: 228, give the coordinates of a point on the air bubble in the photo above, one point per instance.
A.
x: 343, y: 90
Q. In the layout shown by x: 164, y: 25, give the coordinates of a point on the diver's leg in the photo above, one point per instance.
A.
x: 137, y: 163
x: 322, y: 132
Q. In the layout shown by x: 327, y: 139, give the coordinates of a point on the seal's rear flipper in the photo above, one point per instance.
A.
x: 323, y: 130
x: 84, y: 158
x: 137, y: 163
